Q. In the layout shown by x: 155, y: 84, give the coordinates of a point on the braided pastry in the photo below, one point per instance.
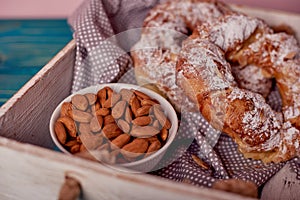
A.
x: 203, y: 71
x: 155, y: 55
x: 166, y: 26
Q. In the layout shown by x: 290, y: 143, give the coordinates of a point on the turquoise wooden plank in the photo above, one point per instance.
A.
x: 25, y: 47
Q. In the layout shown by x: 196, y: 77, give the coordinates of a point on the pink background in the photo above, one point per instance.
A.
x: 63, y: 8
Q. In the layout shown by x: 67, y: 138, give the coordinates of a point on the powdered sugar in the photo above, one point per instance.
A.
x: 229, y: 31
x: 260, y: 122
x: 206, y: 61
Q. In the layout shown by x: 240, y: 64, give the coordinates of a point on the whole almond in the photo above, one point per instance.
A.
x: 95, y: 107
x: 115, y: 98
x: 108, y: 119
x: 160, y: 115
x: 154, y: 146
x: 128, y: 115
x: 120, y: 141
x: 96, y: 123
x: 101, y: 94
x: 60, y: 132
x: 144, y: 131
x: 135, y: 105
x: 91, y: 141
x: 141, y: 94
x: 92, y: 98
x: 80, y: 102
x: 152, y: 139
x: 118, y: 110
x: 81, y: 116
x: 111, y: 130
x: 84, y: 128
x: 69, y: 124
x: 156, y: 124
x: 126, y: 94
x: 108, y: 103
x: 123, y: 125
x: 168, y: 124
x: 109, y: 92
x: 135, y: 148
x: 148, y: 102
x: 144, y: 110
x: 66, y: 107
x: 142, y: 121
x: 103, y: 111
x: 163, y: 134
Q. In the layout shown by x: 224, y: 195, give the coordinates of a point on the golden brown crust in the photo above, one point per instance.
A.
x: 242, y: 114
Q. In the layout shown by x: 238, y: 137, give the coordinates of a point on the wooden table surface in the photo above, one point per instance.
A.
x: 25, y: 47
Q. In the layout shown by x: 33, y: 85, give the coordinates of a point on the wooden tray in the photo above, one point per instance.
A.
x: 30, y: 168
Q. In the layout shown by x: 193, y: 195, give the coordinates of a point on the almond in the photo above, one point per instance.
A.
x: 141, y: 94
x: 126, y: 94
x: 135, y: 148
x: 108, y: 119
x: 154, y: 146
x: 84, y: 128
x: 144, y: 131
x: 164, y: 134
x: 81, y: 116
x: 92, y: 98
x: 128, y: 115
x: 91, y: 141
x: 135, y: 105
x: 109, y: 92
x: 123, y: 125
x: 120, y: 141
x: 156, y: 124
x: 149, y: 102
x: 144, y: 110
x: 96, y: 123
x: 108, y: 103
x: 111, y: 130
x: 103, y: 111
x: 80, y: 102
x: 118, y: 109
x: 142, y: 121
x: 60, y: 132
x: 115, y: 98
x: 101, y: 94
x: 69, y: 124
x: 160, y: 115
x: 94, y: 108
x: 66, y: 107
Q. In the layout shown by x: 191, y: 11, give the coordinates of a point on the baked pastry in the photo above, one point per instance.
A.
x: 204, y: 73
x: 252, y: 78
x: 155, y: 54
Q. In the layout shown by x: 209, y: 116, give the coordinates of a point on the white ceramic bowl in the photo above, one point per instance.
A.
x: 146, y: 164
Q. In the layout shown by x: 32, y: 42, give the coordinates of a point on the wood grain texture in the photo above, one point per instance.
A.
x: 25, y: 117
x: 25, y: 47
x: 38, y: 173
x: 283, y: 185
x: 28, y: 171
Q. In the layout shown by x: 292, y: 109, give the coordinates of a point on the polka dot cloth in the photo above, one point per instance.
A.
x: 101, y: 60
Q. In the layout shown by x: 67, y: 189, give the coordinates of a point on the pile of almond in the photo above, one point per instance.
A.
x: 128, y: 124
